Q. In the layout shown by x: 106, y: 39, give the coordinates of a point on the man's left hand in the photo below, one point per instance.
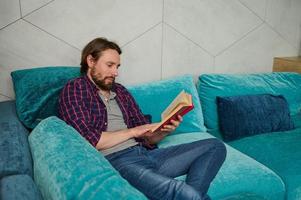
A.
x: 155, y: 137
x: 172, y: 126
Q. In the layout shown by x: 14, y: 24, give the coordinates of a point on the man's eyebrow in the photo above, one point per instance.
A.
x: 111, y: 62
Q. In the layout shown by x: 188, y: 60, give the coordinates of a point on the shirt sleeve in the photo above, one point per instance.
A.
x: 74, y: 112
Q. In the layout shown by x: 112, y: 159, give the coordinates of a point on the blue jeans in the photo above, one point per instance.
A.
x: 153, y: 171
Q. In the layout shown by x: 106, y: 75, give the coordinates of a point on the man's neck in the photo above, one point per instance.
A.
x: 105, y: 93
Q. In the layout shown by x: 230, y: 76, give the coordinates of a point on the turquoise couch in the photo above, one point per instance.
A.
x: 66, y: 166
x: 16, y: 168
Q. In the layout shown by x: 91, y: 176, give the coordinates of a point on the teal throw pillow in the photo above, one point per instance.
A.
x: 37, y: 91
x: 154, y: 97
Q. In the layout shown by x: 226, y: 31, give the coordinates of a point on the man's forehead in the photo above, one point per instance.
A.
x: 110, y: 56
x: 110, y: 52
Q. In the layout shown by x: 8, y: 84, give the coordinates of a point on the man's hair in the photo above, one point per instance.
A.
x: 95, y: 48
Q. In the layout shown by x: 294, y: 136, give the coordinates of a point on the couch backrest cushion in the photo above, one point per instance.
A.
x: 210, y: 86
x: 15, y: 157
x: 154, y: 97
x: 37, y: 91
x: 68, y: 167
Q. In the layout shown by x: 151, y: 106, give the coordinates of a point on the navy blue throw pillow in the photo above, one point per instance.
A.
x: 247, y: 115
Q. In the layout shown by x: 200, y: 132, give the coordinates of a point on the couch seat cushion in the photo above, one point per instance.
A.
x: 18, y: 187
x: 66, y: 166
x: 244, y: 196
x: 281, y: 152
x: 15, y: 157
x: 239, y: 176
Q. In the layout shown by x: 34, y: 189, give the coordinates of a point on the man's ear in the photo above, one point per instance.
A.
x: 90, y: 61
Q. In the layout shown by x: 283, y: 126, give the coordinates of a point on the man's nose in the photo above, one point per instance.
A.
x: 115, y: 72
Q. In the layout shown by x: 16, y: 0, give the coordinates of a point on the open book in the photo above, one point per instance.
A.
x: 181, y: 105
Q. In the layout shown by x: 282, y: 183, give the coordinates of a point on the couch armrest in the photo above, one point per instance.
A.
x: 66, y: 166
x: 17, y: 187
x: 14, y: 148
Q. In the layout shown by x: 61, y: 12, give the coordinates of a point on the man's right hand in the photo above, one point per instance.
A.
x: 110, y: 139
x: 142, y: 131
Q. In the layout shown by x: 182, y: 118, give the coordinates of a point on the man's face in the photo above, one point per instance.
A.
x: 104, y: 71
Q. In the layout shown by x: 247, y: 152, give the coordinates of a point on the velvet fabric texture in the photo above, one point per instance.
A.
x: 37, y: 91
x: 244, y: 196
x: 239, y: 176
x: 154, y: 97
x: 68, y: 167
x: 18, y: 187
x: 15, y: 155
x: 247, y: 115
x: 281, y: 152
x: 212, y: 85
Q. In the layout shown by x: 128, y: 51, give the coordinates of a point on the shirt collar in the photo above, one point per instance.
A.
x: 112, y: 95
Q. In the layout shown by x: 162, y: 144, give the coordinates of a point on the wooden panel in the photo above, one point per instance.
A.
x: 287, y: 64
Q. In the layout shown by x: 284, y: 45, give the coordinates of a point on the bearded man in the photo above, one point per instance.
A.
x: 107, y: 116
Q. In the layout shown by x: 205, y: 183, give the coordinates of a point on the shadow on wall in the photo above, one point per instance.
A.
x: 300, y: 42
x: 299, y: 48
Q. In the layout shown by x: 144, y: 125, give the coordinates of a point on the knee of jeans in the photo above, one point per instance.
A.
x: 183, y: 191
x: 219, y: 147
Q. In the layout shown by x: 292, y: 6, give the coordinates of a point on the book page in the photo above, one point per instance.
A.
x: 181, y: 98
x: 179, y: 106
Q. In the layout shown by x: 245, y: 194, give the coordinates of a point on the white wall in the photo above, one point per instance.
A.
x: 160, y: 38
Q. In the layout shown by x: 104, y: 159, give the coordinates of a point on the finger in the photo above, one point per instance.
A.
x: 175, y: 123
x: 148, y: 133
x: 165, y: 130
x: 180, y: 118
x: 169, y: 127
x: 147, y: 130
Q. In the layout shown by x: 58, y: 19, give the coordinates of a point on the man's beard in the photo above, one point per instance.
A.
x: 101, y: 82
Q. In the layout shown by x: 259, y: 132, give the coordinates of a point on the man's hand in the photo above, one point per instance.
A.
x: 141, y: 131
x: 167, y: 129
x: 172, y: 126
x: 110, y: 139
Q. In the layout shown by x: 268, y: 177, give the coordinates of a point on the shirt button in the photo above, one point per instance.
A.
x: 106, y: 123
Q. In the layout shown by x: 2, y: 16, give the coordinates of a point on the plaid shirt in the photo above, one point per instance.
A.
x: 81, y: 107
